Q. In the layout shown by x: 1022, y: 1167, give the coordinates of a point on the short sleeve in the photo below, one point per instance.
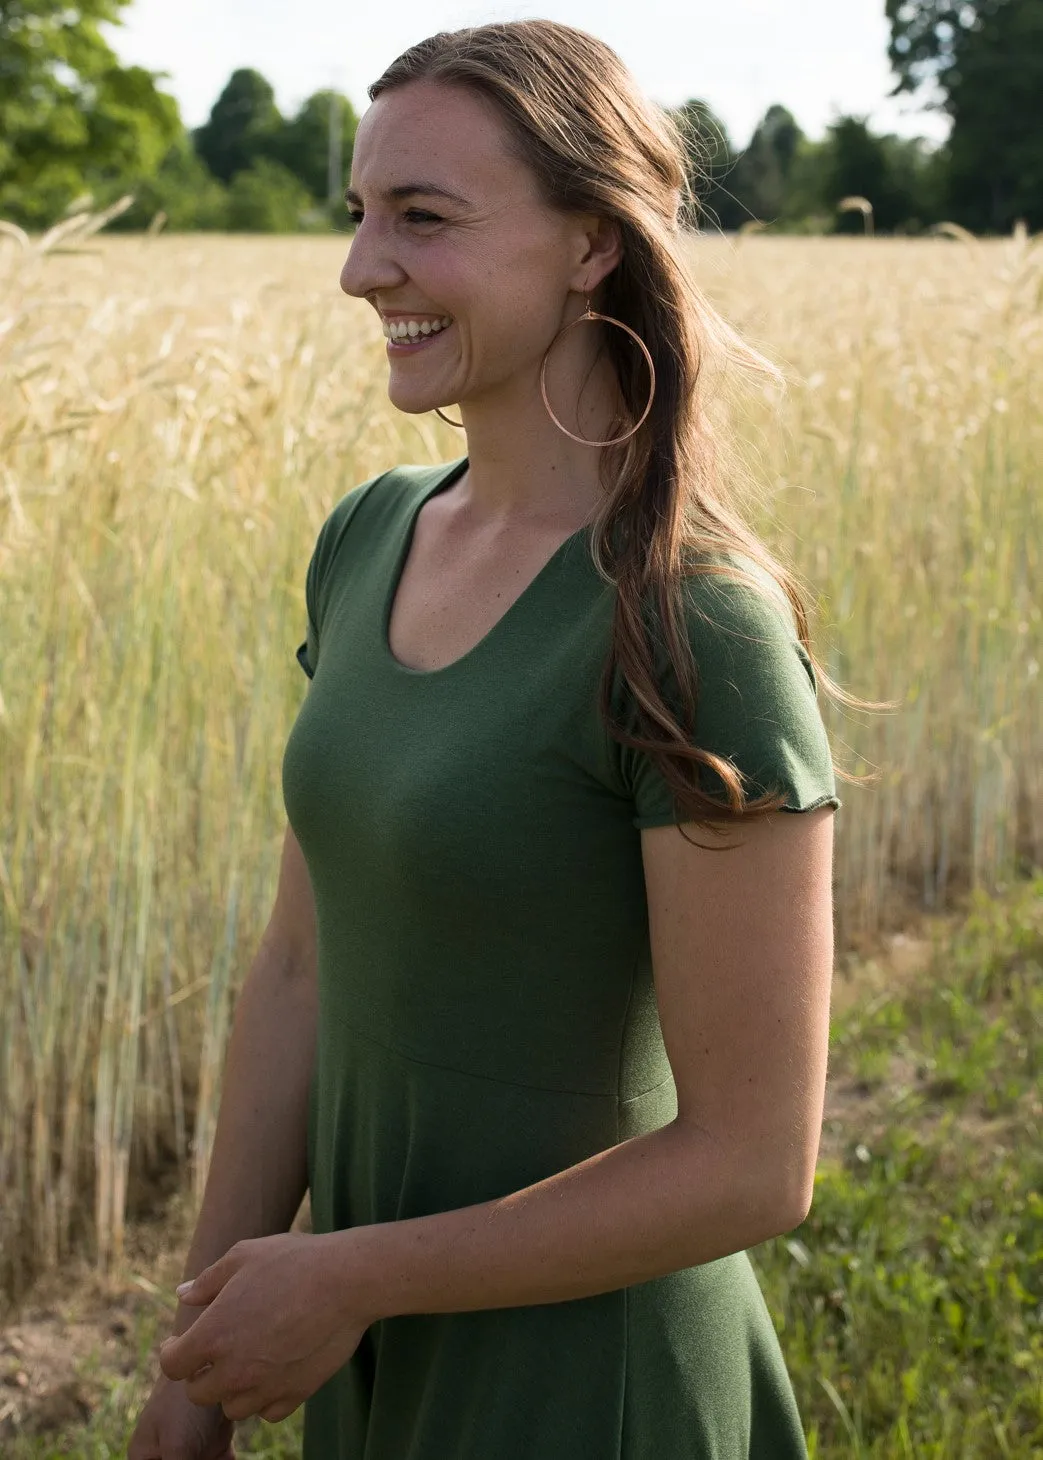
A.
x: 308, y: 652
x: 757, y: 704
x: 319, y: 565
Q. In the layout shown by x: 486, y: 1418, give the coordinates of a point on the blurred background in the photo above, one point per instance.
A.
x: 240, y: 115
x: 185, y: 393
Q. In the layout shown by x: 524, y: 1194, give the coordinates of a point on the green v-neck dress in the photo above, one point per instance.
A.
x: 487, y: 1014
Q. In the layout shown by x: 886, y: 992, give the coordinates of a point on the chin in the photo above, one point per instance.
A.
x: 410, y: 407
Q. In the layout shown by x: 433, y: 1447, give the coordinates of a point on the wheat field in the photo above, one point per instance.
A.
x: 178, y: 415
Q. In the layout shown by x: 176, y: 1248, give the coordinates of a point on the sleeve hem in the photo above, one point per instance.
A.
x: 302, y: 660
x: 669, y: 818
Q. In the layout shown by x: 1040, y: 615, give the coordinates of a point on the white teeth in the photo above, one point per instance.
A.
x: 411, y: 329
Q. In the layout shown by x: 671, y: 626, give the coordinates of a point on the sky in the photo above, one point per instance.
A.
x: 818, y: 57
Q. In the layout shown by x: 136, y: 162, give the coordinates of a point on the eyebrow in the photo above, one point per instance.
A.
x: 407, y: 190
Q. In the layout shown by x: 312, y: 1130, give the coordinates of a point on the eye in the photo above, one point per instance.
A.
x: 414, y: 215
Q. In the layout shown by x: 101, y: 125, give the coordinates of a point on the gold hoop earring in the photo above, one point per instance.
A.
x: 448, y: 422
x: 590, y: 314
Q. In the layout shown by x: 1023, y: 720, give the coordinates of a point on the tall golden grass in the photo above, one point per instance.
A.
x: 177, y: 416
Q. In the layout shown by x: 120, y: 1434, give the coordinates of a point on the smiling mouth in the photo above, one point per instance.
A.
x: 413, y: 345
x: 407, y: 331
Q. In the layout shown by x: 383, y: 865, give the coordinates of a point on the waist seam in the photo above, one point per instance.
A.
x: 497, y: 1079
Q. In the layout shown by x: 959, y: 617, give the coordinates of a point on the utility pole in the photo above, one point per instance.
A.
x: 335, y: 173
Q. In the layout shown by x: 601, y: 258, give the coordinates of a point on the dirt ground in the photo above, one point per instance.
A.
x: 78, y: 1329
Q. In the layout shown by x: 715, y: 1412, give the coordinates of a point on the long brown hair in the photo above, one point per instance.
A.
x: 575, y: 115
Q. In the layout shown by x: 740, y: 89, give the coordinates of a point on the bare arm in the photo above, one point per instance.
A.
x: 742, y: 952
x: 258, y: 1167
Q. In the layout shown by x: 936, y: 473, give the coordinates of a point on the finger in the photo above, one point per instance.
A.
x: 273, y: 1414
x: 183, y: 1356
x: 210, y: 1387
x: 243, y: 1406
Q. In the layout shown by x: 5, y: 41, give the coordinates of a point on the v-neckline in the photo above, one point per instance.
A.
x: 498, y: 628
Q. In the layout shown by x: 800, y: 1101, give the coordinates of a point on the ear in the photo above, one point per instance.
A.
x: 599, y: 248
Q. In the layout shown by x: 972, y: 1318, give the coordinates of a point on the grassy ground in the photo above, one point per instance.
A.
x: 909, y: 1304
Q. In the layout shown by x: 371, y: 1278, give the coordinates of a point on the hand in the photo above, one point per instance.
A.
x: 171, y: 1427
x: 280, y: 1321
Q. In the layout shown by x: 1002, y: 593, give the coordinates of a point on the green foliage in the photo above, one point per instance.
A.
x: 910, y: 1302
x: 783, y: 178
x: 244, y: 126
x: 711, y: 162
x: 267, y: 198
x: 764, y: 172
x: 74, y: 124
x: 898, y: 176
x: 925, y: 36
x: 276, y: 170
x: 984, y: 59
x: 303, y: 144
x: 854, y: 162
x: 72, y: 120
x: 996, y: 145
x: 182, y: 190
x: 917, y: 174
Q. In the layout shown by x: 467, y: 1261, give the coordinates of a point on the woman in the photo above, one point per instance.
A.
x: 556, y: 1065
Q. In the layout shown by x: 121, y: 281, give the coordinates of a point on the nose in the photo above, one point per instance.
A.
x: 370, y: 266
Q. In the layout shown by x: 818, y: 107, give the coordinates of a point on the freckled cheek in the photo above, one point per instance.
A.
x: 503, y: 314
x: 524, y: 325
x: 514, y: 310
x: 495, y: 333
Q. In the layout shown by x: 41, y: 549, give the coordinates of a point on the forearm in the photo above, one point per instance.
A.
x: 662, y: 1201
x: 257, y: 1175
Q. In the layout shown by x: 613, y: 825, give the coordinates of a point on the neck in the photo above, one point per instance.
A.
x: 521, y: 467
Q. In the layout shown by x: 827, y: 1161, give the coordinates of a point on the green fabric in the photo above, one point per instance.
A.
x: 487, y: 1014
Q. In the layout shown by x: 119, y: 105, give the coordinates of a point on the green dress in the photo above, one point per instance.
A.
x: 487, y: 1015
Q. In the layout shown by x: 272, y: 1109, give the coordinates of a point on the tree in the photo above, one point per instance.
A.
x: 896, y: 174
x: 244, y: 126
x: 267, y: 198
x: 711, y: 161
x: 855, y: 162
x: 72, y: 119
x: 996, y: 143
x: 804, y: 209
x: 182, y: 189
x: 918, y: 180
x: 304, y: 142
x: 924, y: 42
x: 763, y: 172
x: 984, y: 60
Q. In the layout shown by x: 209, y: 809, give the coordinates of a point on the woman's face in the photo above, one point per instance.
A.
x: 451, y: 226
